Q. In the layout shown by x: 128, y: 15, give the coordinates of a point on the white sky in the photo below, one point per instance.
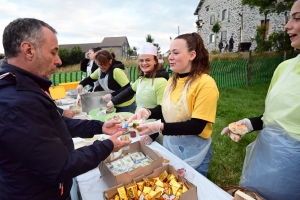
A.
x: 80, y: 21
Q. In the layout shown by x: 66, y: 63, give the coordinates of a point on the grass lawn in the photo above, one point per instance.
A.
x: 234, y: 104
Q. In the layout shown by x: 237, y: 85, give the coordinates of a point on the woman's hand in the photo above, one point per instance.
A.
x: 79, y: 89
x: 142, y: 113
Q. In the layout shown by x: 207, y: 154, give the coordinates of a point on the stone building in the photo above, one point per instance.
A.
x: 235, y: 19
x: 118, y: 45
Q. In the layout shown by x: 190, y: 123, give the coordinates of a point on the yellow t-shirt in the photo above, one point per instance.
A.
x: 202, y: 96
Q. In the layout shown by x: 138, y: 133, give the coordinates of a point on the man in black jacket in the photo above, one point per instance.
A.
x: 37, y: 156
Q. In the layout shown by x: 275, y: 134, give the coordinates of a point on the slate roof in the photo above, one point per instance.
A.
x: 113, y: 41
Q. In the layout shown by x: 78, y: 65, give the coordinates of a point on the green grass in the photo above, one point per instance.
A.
x: 234, y: 104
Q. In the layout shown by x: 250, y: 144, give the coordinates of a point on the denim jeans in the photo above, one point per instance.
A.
x: 203, y: 168
x: 131, y: 108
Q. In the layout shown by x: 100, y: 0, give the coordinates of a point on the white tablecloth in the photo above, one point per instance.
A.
x: 91, y: 185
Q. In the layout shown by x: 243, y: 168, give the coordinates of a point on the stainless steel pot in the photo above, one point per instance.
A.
x: 90, y: 101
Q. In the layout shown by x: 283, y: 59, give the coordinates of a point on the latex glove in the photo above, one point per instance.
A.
x: 109, y: 105
x: 118, y: 144
x: 149, y: 128
x: 69, y: 113
x: 112, y: 127
x: 146, y: 139
x: 142, y: 113
x: 236, y: 137
x: 107, y: 97
x: 79, y: 89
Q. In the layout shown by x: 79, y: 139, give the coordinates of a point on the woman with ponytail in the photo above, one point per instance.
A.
x: 189, y: 104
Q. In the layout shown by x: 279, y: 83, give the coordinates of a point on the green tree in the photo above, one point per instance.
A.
x: 64, y: 55
x: 129, y: 51
x: 216, y: 29
x: 149, y: 38
x: 158, y: 47
x: 280, y: 41
x: 261, y: 42
x: 76, y: 55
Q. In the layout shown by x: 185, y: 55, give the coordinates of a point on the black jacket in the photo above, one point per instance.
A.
x: 83, y: 67
x: 36, y: 148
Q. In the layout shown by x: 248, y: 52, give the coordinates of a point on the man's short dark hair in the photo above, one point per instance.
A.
x: 20, y: 30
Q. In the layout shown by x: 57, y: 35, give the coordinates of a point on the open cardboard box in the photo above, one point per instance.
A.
x: 191, y: 194
x: 112, y: 180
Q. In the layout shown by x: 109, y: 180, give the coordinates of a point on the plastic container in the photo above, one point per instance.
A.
x: 57, y: 92
x: 70, y: 85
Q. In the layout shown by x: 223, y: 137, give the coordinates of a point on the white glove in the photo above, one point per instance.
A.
x: 236, y: 137
x: 109, y: 105
x: 146, y: 139
x: 149, y: 128
x: 142, y: 113
x: 79, y: 89
x: 107, y: 97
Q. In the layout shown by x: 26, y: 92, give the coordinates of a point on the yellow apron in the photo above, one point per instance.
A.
x: 190, y: 148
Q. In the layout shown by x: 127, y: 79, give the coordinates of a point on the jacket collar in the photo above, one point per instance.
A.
x: 24, y: 79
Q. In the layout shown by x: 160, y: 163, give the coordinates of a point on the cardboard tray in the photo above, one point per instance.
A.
x: 191, y: 194
x: 112, y: 180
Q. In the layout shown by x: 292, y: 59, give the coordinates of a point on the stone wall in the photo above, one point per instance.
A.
x: 233, y: 22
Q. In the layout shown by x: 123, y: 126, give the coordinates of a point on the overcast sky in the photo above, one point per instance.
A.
x: 81, y: 21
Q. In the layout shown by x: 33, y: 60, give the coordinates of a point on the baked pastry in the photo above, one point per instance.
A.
x: 238, y: 129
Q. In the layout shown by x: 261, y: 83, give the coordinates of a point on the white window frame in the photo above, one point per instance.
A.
x: 212, y: 38
x: 224, y: 14
x: 212, y: 22
x: 225, y: 37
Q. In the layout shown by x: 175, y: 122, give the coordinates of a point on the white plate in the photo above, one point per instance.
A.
x: 65, y: 101
x: 78, y: 116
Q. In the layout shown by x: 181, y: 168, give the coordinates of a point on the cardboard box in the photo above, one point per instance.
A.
x: 112, y: 180
x: 239, y: 195
x: 191, y: 194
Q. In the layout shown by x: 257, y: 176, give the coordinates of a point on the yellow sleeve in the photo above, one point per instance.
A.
x: 120, y: 77
x: 95, y: 74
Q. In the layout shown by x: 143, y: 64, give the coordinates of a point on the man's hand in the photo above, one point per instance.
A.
x: 111, y: 127
x: 118, y: 144
x: 69, y: 113
x: 142, y: 113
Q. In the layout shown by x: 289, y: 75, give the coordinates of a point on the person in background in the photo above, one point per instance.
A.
x: 226, y: 46
x: 37, y: 156
x: 88, y: 65
x: 231, y: 41
x: 189, y: 104
x: 220, y: 46
x: 112, y: 79
x: 148, y: 88
x: 160, y: 61
x: 272, y: 162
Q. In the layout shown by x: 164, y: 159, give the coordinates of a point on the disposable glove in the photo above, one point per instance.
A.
x: 146, y: 139
x: 142, y: 113
x: 107, y: 97
x: 149, y: 128
x: 109, y: 105
x: 236, y: 137
x: 79, y: 89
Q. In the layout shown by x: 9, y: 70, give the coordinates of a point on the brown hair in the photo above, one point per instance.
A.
x: 200, y: 64
x: 153, y: 73
x: 103, y: 57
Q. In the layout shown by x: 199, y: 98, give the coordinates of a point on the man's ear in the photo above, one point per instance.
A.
x: 193, y: 55
x: 28, y: 50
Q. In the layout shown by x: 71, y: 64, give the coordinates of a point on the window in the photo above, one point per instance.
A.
x: 224, y: 14
x: 212, y: 19
x: 223, y: 36
x: 267, y: 27
x: 212, y: 38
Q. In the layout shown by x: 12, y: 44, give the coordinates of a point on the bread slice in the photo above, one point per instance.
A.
x: 238, y: 129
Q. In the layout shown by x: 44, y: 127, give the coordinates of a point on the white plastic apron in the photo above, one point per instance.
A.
x: 272, y: 163
x: 190, y: 148
x: 104, y: 83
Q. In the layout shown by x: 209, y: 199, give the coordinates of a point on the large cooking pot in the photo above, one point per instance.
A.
x: 90, y: 101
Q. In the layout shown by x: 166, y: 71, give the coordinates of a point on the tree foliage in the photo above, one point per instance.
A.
x: 270, y: 6
x: 129, y: 51
x: 149, y: 38
x: 158, y: 47
x: 74, y: 56
x: 216, y: 28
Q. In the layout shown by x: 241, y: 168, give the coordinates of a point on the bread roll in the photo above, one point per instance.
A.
x: 238, y: 129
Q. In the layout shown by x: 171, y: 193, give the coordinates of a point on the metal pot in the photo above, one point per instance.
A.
x: 90, y: 101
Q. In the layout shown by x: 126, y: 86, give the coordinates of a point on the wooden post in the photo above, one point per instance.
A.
x: 249, y: 68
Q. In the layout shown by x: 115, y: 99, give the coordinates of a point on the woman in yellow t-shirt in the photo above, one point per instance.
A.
x: 189, y: 104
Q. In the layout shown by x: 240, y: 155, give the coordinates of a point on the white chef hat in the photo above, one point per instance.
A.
x: 148, y: 48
